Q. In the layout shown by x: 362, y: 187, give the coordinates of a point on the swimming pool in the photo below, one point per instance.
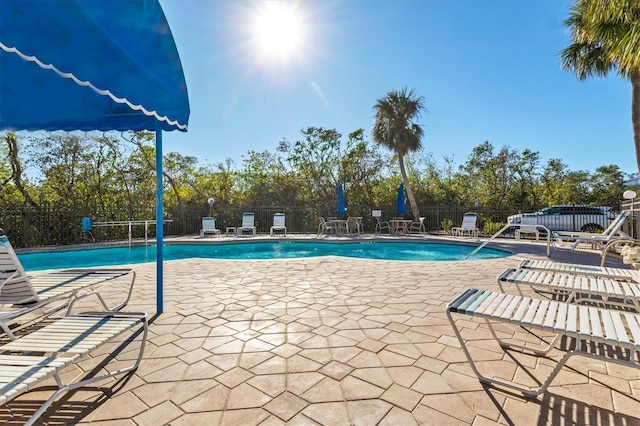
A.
x: 388, y: 250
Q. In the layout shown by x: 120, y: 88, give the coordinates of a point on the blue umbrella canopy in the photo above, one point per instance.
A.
x: 342, y: 208
x: 401, y: 205
x: 92, y: 65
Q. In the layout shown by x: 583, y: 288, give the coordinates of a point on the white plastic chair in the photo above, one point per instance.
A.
x: 278, y: 224
x: 248, y: 224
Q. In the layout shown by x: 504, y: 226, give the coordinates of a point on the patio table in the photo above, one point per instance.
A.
x: 398, y: 225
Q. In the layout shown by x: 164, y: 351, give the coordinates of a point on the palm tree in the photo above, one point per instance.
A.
x: 396, y: 129
x: 605, y: 38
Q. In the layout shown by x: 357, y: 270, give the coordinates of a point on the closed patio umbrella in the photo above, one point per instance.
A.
x: 401, y: 205
x: 342, y: 208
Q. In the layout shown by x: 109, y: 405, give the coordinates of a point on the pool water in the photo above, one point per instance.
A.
x: 386, y: 250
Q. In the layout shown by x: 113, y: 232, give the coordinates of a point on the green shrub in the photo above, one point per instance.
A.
x: 490, y: 227
x: 446, y: 224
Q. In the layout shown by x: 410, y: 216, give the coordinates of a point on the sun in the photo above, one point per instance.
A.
x: 278, y: 31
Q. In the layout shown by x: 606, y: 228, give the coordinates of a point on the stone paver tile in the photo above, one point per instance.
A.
x: 326, y: 390
x: 324, y: 331
x: 249, y: 360
x: 378, y: 376
x: 201, y: 370
x: 336, y: 370
x: 166, y: 351
x: 286, y: 405
x: 257, y: 345
x: 224, y: 362
x: 371, y: 345
x: 328, y: 413
x: 407, y: 349
x: 428, y: 416
x: 519, y: 411
x: 152, y: 394
x: 194, y: 356
x: 405, y: 376
x: 391, y: 359
x: 160, y: 414
x: 483, y: 421
x: 299, y: 383
x: 345, y: 354
x: 274, y: 365
x: 212, y: 400
x: 286, y: 350
x: 431, y: 364
x: 488, y: 405
x: 208, y: 418
x: 323, y: 356
x: 626, y: 405
x: 369, y: 412
x: 188, y: 389
x: 245, y: 396
x: 298, y: 364
x: 449, y: 404
x: 404, y: 398
x: 271, y: 384
x: 247, y: 417
x: 234, y: 377
x: 356, y: 389
x: 398, y: 416
x: 233, y: 347
x: 119, y: 407
x: 365, y: 359
x: 594, y: 395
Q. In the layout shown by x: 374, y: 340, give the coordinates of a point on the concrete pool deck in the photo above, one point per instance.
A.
x: 329, y: 341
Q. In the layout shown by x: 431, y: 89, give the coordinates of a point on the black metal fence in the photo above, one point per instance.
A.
x: 50, y: 226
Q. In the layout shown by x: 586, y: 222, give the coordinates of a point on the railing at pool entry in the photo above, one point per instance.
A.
x: 508, y: 226
x: 88, y: 225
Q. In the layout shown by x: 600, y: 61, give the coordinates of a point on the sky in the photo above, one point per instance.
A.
x: 488, y: 70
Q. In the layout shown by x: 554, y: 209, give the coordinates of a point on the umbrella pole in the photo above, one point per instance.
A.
x: 159, y: 222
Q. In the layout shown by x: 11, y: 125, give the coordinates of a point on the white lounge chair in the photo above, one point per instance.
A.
x: 588, y: 326
x: 209, y: 227
x: 21, y: 293
x: 26, y: 362
x: 468, y: 226
x: 248, y: 224
x: 589, y: 270
x: 278, y: 224
x: 528, y: 225
x: 595, y: 240
x: 576, y: 287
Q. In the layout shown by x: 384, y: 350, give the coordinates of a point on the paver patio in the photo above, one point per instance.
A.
x: 328, y: 341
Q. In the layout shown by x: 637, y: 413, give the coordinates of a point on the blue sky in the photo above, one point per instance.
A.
x: 488, y: 70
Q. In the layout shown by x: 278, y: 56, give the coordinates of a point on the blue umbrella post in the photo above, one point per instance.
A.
x: 401, y: 205
x: 342, y: 208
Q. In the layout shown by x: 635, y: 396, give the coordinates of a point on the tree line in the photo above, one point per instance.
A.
x: 114, y: 175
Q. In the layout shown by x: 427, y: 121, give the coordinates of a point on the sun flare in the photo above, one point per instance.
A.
x: 277, y: 31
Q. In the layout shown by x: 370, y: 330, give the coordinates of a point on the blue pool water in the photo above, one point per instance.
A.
x: 387, y: 250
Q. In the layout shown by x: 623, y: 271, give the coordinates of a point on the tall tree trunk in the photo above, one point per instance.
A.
x: 407, y: 187
x: 635, y: 112
x: 16, y: 169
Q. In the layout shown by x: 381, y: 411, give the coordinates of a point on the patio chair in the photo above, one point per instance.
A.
x: 528, y: 225
x: 595, y: 240
x: 575, y: 287
x: 418, y: 226
x: 354, y: 225
x: 248, y: 224
x: 21, y: 293
x: 623, y: 274
x: 325, y: 227
x: 468, y: 226
x: 587, y: 328
x: 278, y: 224
x: 28, y: 361
x: 381, y: 226
x: 209, y: 227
